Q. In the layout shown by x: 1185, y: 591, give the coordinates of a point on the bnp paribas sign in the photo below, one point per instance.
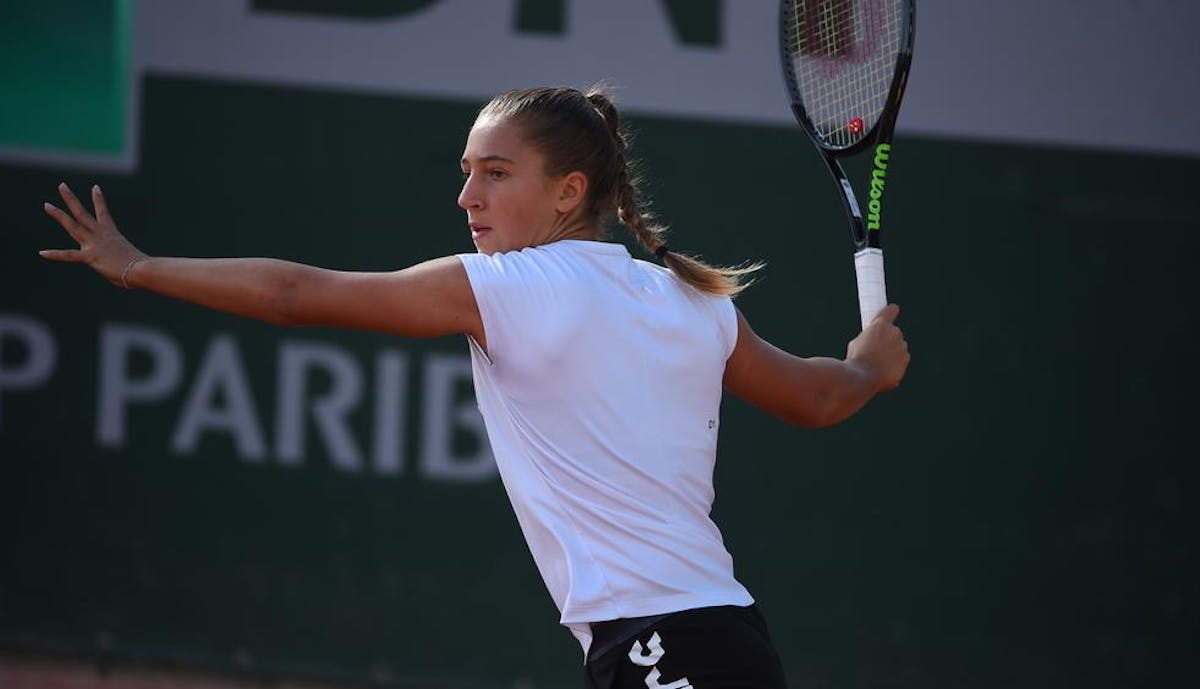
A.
x: 71, y: 72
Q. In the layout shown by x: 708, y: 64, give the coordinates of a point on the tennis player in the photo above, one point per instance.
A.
x: 599, y: 377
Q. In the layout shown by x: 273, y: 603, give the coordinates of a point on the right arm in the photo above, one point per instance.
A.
x: 817, y: 391
x: 427, y: 300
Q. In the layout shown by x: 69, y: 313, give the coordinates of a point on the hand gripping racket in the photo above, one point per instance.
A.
x: 845, y: 65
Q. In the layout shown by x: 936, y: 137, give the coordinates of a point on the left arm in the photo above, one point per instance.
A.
x: 817, y: 391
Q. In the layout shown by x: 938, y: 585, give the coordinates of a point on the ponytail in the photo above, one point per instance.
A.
x: 729, y: 281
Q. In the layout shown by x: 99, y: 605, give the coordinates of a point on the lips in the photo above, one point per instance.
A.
x: 478, y: 230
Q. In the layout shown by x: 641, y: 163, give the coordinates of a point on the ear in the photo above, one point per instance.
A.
x: 572, y: 190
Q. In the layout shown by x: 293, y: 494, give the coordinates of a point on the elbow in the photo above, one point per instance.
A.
x: 821, y: 411
x: 811, y: 423
x: 814, y: 421
x: 284, y: 302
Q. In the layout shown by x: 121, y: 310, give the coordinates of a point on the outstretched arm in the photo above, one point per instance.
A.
x: 427, y: 300
x: 817, y: 391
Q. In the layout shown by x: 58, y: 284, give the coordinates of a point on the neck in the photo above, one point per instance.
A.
x: 571, y: 228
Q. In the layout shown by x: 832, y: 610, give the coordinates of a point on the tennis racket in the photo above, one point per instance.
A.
x: 845, y: 65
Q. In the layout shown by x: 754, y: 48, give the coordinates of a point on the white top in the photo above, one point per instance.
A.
x: 600, y: 390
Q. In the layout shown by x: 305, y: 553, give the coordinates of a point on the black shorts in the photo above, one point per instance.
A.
x: 725, y: 647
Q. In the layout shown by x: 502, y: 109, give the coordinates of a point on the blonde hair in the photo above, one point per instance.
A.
x: 582, y: 131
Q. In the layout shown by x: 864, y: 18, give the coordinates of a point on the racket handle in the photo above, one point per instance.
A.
x: 872, y: 292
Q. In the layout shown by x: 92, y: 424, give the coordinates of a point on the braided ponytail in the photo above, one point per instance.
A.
x: 707, y: 278
x: 578, y: 131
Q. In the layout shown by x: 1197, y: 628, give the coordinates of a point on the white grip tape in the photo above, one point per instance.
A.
x: 872, y: 292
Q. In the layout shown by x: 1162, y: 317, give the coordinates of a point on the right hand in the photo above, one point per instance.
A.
x: 101, y: 245
x: 880, y: 349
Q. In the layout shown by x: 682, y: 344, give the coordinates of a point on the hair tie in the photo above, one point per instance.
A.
x: 661, y: 250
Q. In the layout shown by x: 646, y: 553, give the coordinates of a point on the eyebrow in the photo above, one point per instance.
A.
x: 491, y: 159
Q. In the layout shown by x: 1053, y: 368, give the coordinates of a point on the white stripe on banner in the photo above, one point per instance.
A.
x: 1104, y: 74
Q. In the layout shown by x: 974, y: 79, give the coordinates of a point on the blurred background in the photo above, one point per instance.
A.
x: 188, y: 499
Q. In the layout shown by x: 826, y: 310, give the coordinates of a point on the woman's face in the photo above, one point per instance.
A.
x: 510, y: 201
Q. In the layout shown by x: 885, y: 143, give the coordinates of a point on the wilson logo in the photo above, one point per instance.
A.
x: 878, y: 181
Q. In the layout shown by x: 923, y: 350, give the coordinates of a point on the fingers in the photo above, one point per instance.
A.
x: 886, y: 345
x: 99, y: 203
x: 81, y: 214
x: 77, y: 231
x: 64, y: 255
x: 888, y: 314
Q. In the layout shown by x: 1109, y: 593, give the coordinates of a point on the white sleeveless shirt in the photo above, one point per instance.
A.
x: 600, y: 390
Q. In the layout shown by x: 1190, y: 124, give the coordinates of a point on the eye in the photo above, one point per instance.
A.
x: 496, y: 173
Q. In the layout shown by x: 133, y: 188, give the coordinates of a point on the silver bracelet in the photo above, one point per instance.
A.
x: 125, y: 273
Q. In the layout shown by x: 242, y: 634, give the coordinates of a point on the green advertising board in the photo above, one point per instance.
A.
x: 66, y: 87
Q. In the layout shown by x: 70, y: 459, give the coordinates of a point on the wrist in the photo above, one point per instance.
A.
x: 867, y: 375
x: 127, y: 272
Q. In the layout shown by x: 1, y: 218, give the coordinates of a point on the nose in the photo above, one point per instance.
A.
x: 468, y: 198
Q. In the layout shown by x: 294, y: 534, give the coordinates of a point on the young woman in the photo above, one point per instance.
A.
x: 599, y: 377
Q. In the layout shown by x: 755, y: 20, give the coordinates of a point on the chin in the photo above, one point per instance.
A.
x: 486, y: 243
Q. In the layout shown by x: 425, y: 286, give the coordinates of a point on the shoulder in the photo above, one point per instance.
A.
x: 558, y: 264
x: 688, y: 306
x: 528, y: 296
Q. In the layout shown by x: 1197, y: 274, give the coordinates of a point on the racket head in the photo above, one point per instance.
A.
x: 845, y: 64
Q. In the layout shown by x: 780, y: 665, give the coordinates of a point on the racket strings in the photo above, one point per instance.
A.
x: 843, y: 54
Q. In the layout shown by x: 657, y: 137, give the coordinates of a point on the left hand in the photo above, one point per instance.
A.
x: 101, y: 245
x: 880, y: 350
